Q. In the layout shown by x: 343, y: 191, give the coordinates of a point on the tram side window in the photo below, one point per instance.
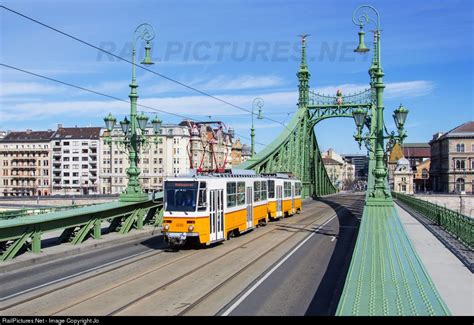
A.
x: 263, y: 193
x: 297, y: 189
x: 231, y: 194
x: 256, y: 191
x: 240, y: 193
x: 202, y: 202
x: 287, y: 189
x: 271, y: 189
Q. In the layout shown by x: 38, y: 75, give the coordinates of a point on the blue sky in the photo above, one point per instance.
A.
x: 236, y: 50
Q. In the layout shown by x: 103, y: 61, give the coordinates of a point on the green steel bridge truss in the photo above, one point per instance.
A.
x: 296, y: 149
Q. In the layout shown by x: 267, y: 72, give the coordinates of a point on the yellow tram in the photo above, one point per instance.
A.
x: 209, y: 208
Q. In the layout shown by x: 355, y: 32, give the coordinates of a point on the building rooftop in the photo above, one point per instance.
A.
x: 28, y: 136
x: 330, y: 161
x: 463, y: 130
x: 396, y: 154
x: 92, y: 133
x: 417, y: 152
x: 416, y: 145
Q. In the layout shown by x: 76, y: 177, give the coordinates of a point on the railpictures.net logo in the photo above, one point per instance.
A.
x: 207, y: 52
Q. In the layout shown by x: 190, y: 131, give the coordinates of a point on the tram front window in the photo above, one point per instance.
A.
x: 181, y: 196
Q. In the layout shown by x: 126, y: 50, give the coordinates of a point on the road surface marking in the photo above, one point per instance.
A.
x: 73, y: 275
x: 255, y: 286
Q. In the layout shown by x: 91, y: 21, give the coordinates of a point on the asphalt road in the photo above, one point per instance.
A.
x: 307, y: 278
x: 311, y: 280
x: 31, y: 278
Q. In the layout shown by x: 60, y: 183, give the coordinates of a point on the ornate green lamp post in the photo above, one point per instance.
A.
x: 380, y: 194
x: 257, y: 102
x: 134, y: 127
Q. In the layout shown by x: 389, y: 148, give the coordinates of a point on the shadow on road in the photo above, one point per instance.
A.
x: 327, y: 296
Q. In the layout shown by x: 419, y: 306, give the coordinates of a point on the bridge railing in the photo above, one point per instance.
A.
x: 455, y: 223
x: 10, y: 214
x: 77, y: 225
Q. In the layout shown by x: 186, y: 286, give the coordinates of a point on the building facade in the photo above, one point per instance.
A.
x: 416, y: 153
x: 81, y: 161
x: 75, y: 161
x: 403, y: 177
x: 361, y: 165
x: 421, y: 179
x: 341, y: 172
x: 210, y: 147
x: 396, y: 153
x: 236, y: 153
x: 165, y: 155
x: 452, y: 160
x: 25, y: 159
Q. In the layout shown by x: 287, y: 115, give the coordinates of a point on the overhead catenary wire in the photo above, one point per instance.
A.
x: 108, y: 96
x: 137, y: 65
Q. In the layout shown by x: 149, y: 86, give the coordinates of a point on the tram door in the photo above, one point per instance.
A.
x: 249, y: 199
x: 216, y: 214
x: 293, y: 198
x: 279, y: 208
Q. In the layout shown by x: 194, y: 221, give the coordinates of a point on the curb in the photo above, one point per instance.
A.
x: 35, y: 259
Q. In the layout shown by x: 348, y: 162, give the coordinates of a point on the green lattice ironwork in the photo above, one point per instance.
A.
x: 457, y: 224
x: 296, y: 149
x: 77, y: 225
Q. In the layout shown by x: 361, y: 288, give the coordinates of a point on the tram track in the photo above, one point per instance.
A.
x: 253, y: 262
x: 171, y: 282
x: 269, y: 231
x: 42, y: 294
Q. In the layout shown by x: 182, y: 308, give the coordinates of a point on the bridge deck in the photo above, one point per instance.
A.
x: 386, y: 277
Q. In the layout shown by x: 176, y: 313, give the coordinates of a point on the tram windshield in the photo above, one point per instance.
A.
x: 180, y: 196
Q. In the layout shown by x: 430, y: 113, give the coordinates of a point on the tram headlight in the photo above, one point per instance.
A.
x: 166, y: 227
x: 190, y: 228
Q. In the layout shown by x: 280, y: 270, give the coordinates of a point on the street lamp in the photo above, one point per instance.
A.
x: 379, y: 195
x: 257, y: 102
x: 133, y: 126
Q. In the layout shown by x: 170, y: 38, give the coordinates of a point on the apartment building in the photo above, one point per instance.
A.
x: 340, y: 171
x: 75, y: 160
x: 452, y: 160
x: 25, y: 159
x: 164, y: 155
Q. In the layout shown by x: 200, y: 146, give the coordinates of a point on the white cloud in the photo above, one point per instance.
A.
x: 409, y: 89
x: 198, y: 106
x: 30, y: 88
x: 221, y: 82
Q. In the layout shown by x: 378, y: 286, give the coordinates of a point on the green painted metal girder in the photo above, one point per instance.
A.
x: 159, y: 217
x: 88, y: 219
x: 386, y: 276
x: 83, y: 232
x: 15, y: 247
x: 36, y: 242
x: 97, y: 229
x: 131, y: 220
x: 15, y: 228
